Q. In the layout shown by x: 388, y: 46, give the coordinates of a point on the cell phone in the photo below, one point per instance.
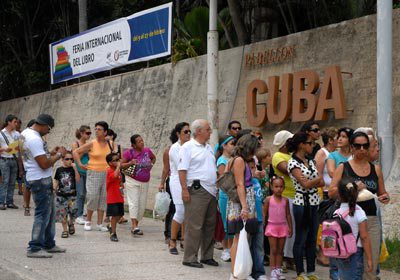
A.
x: 259, y: 166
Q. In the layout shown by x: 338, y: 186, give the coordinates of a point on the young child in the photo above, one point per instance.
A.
x: 352, y: 268
x: 115, y: 198
x: 276, y: 209
x: 65, y: 187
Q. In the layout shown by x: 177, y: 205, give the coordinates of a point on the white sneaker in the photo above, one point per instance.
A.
x: 101, y: 228
x: 250, y: 278
x: 274, y: 274
x: 87, y: 226
x: 80, y: 220
x: 226, y: 255
x: 262, y: 277
x: 279, y: 274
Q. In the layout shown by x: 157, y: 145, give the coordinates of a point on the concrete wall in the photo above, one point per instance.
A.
x: 153, y: 100
x: 149, y: 102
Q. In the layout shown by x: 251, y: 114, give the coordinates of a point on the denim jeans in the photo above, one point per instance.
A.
x: 9, y: 170
x: 352, y: 268
x: 333, y: 269
x: 81, y: 194
x: 257, y: 252
x: 43, y: 230
x: 306, y: 235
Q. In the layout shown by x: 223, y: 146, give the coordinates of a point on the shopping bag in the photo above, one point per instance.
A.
x: 384, y: 252
x: 243, y: 262
x: 219, y: 233
x: 161, y: 206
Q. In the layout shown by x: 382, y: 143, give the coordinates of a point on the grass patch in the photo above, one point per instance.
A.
x: 393, y: 261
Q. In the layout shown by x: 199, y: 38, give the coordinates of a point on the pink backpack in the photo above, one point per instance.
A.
x: 337, y: 239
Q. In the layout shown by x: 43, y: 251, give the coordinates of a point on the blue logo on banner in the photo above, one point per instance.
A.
x: 149, y: 34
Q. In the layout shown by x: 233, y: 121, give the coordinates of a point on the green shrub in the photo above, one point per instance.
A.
x: 393, y: 261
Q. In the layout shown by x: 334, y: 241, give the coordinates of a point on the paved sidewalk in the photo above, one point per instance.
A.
x: 91, y: 255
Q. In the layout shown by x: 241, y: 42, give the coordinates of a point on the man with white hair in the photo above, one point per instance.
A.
x: 197, y: 175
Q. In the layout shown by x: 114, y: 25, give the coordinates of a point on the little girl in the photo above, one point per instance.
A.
x: 279, y: 226
x: 65, y: 186
x: 352, y: 268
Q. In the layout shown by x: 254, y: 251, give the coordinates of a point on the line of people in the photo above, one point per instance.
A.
x: 279, y: 197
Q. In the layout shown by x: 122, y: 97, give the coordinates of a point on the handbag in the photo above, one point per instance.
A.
x: 219, y: 233
x: 226, y: 182
x: 130, y: 170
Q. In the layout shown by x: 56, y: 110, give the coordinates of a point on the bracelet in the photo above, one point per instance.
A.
x: 244, y: 211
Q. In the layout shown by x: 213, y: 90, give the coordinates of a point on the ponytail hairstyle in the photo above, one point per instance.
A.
x: 223, y: 141
x: 293, y: 143
x: 174, y: 133
x: 274, y: 178
x: 348, y: 192
x: 79, y: 131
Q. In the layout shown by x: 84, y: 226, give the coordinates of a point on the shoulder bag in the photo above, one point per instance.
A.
x: 226, y: 182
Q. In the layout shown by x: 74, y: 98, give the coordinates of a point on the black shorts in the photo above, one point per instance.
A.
x: 115, y: 209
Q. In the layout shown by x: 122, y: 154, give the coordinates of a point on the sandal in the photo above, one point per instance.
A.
x: 27, y: 211
x: 71, y: 229
x: 173, y: 250
x: 64, y: 234
x: 122, y: 221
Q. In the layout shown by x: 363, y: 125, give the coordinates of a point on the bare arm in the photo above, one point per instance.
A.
x: 383, y: 196
x: 305, y: 183
x: 182, y: 180
x: 330, y: 166
x: 320, y: 158
x: 166, y: 168
x: 44, y: 162
x: 221, y: 169
x: 337, y: 176
x: 282, y: 167
x: 366, y: 242
x: 288, y: 217
x: 238, y: 172
x: 77, y: 175
x: 117, y: 170
x: 79, y: 152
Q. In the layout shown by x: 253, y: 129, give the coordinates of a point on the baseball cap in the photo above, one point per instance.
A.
x: 281, y: 137
x: 45, y: 119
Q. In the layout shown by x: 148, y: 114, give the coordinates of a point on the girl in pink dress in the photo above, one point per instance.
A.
x: 279, y: 226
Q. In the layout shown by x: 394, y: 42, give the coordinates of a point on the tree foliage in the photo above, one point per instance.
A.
x: 28, y: 27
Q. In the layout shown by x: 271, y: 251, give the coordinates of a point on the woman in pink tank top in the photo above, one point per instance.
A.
x: 276, y: 209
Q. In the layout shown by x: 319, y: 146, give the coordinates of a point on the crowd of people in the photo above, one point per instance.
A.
x: 276, y: 197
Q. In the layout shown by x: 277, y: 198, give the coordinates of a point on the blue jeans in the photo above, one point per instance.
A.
x: 43, y: 230
x: 352, y: 268
x: 333, y: 269
x: 9, y: 170
x: 81, y: 194
x: 306, y: 235
x: 257, y: 252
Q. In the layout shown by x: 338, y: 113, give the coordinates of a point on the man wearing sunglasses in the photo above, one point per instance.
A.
x: 38, y: 163
x: 233, y: 128
x: 313, y: 130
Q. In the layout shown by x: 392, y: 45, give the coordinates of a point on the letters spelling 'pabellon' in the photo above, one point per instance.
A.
x: 302, y: 101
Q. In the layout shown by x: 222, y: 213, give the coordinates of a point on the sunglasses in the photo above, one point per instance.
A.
x: 315, y: 130
x: 49, y: 127
x: 115, y: 160
x: 357, y: 146
x: 187, y: 131
x: 88, y: 133
x: 236, y: 128
x: 68, y: 159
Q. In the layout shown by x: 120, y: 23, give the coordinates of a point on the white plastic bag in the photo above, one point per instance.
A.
x: 243, y: 262
x: 161, y: 206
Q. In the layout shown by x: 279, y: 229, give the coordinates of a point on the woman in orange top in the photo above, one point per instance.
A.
x: 96, y: 168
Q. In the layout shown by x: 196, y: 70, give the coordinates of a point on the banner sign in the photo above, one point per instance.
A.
x: 140, y: 37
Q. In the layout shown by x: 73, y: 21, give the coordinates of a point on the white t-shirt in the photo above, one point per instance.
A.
x: 174, y: 184
x: 199, y: 162
x: 33, y: 146
x: 11, y: 137
x: 358, y: 218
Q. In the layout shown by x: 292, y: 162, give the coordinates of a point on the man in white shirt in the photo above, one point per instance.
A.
x: 9, y: 160
x: 197, y: 175
x: 38, y: 163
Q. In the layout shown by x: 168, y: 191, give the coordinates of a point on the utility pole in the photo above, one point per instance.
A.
x: 212, y: 72
x: 384, y: 83
x: 82, y: 7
